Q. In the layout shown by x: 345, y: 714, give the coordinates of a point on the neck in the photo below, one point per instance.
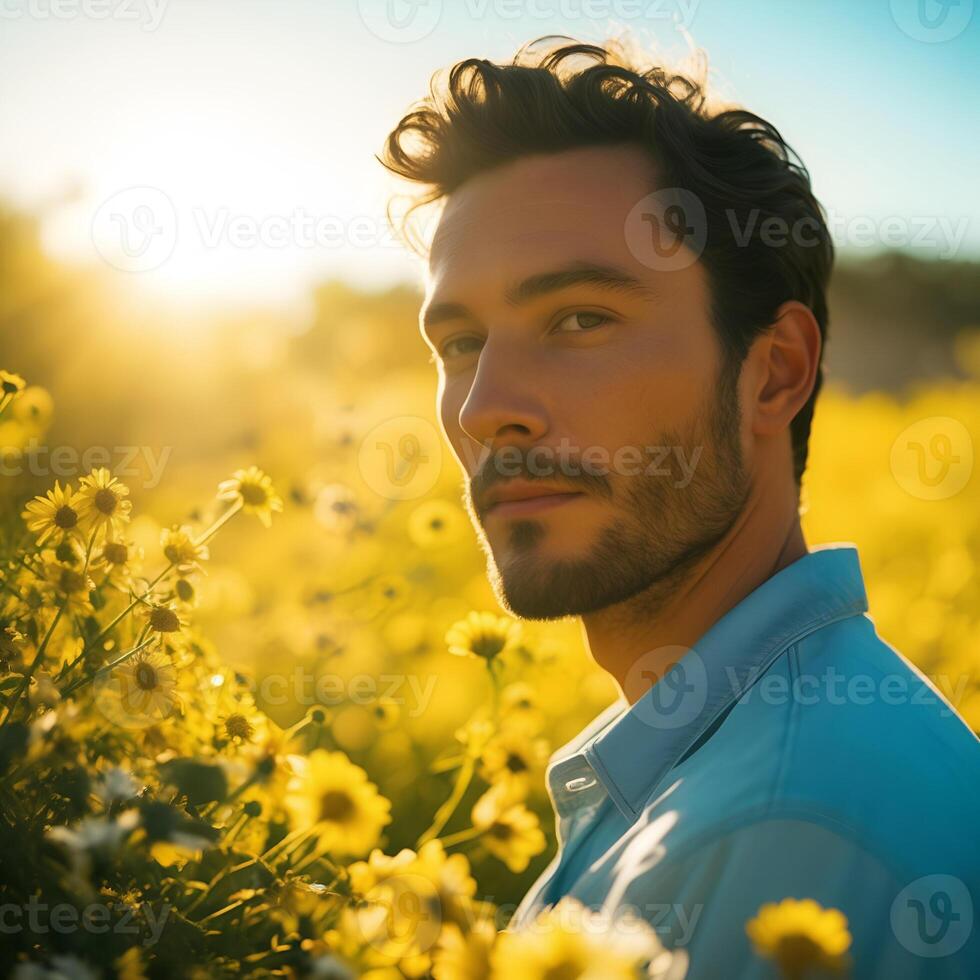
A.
x: 638, y: 640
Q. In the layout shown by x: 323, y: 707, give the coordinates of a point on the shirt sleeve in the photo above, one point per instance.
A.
x: 703, y: 898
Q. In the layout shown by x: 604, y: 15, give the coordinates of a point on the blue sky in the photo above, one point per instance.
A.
x: 257, y: 119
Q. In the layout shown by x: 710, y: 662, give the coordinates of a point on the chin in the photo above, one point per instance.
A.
x: 541, y: 585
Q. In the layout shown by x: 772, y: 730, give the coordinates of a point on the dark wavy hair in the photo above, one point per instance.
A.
x: 570, y: 95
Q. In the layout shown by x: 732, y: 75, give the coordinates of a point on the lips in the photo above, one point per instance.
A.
x: 520, y: 498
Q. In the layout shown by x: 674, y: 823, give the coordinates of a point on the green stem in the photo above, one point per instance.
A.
x: 211, y: 531
x: 289, y: 841
x: 38, y: 657
x: 82, y: 681
x: 460, y: 837
x: 449, y: 807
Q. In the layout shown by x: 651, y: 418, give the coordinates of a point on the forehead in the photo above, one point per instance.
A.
x: 540, y: 211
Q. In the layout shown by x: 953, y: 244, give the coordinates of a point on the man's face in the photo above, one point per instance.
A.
x: 584, y: 393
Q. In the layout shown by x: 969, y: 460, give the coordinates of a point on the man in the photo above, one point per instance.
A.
x: 626, y: 305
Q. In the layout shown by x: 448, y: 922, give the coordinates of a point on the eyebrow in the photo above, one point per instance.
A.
x: 575, y: 274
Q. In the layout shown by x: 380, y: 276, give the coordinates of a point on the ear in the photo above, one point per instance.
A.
x: 784, y: 362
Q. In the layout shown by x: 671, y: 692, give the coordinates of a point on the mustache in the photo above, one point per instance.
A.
x: 513, y: 463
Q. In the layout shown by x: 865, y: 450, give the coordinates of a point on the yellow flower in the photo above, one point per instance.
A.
x: 405, y: 900
x: 385, y: 712
x: 103, y: 503
x: 146, y: 685
x: 10, y: 384
x: 511, y: 756
x: 254, y: 491
x: 68, y: 586
x: 510, y: 831
x: 482, y: 634
x: 34, y: 407
x: 336, y: 508
x: 182, y: 550
x: 570, y: 940
x: 163, y: 618
x: 387, y: 591
x: 56, y: 514
x: 450, y: 876
x: 475, y: 735
x: 800, y: 935
x: 398, y: 909
x: 239, y: 726
x: 520, y: 708
x: 435, y: 523
x: 129, y: 966
x: 116, y: 559
x: 334, y: 795
x: 464, y: 956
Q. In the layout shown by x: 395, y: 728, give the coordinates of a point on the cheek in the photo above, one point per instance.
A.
x: 632, y: 394
x: 449, y: 402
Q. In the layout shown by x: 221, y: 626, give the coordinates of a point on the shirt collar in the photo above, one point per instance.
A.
x: 627, y: 750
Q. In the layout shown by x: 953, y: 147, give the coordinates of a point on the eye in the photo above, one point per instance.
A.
x: 460, y: 346
x: 581, y: 321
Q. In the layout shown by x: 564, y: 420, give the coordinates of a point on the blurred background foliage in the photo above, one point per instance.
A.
x: 343, y: 585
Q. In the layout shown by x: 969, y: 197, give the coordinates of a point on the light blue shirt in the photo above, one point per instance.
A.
x: 790, y: 753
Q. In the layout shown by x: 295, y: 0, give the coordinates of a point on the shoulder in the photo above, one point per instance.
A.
x: 845, y: 732
x: 704, y: 897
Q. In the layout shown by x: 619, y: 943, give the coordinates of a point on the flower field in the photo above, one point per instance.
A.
x: 270, y: 722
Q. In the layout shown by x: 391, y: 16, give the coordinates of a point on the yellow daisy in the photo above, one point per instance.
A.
x: 520, y: 708
x: 453, y: 881
x: 103, y: 503
x: 398, y: 910
x: 117, y: 560
x: 800, y: 935
x: 571, y: 940
x: 510, y: 831
x: 182, y: 550
x: 68, y: 586
x: 163, y: 618
x: 244, y: 724
x: 482, y: 634
x: 336, y: 508
x: 54, y: 515
x: 335, y: 796
x: 146, y: 685
x: 385, y: 712
x: 435, y: 523
x: 34, y: 407
x: 511, y: 756
x: 254, y: 491
x: 464, y: 956
x: 10, y: 384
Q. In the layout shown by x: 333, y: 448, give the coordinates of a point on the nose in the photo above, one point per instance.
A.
x: 505, y: 403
